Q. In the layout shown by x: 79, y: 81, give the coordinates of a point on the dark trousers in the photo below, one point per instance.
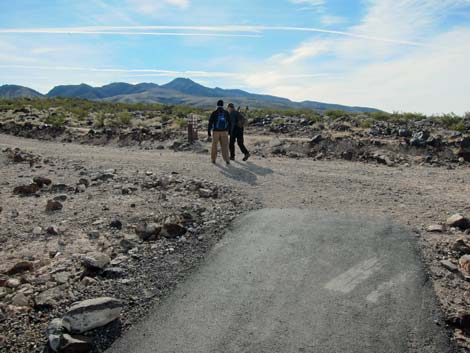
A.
x: 237, y: 135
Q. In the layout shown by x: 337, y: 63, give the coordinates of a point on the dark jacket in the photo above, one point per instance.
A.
x: 235, y: 116
x: 213, y: 118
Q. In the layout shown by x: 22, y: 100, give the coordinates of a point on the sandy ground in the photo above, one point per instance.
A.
x: 410, y: 196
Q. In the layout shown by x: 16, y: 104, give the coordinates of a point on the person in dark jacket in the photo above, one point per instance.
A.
x: 237, y: 123
x: 219, y: 126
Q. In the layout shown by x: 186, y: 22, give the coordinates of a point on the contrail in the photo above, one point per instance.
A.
x: 209, y: 31
x: 150, y: 72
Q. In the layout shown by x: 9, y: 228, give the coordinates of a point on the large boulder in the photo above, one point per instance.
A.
x: 90, y: 314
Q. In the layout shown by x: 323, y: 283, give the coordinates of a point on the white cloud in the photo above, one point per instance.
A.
x: 153, y: 7
x: 309, y: 2
x: 431, y: 76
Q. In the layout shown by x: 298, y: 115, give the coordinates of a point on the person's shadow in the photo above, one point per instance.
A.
x: 248, y: 173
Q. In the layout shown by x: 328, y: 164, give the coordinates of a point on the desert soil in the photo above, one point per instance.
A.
x: 412, y: 196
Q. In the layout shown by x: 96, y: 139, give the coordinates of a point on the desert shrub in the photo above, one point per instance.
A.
x: 124, y: 118
x: 278, y: 121
x: 100, y: 119
x: 458, y: 126
x: 55, y: 119
x: 366, y: 123
x: 451, y: 121
x: 379, y: 116
x: 335, y: 114
x: 180, y: 123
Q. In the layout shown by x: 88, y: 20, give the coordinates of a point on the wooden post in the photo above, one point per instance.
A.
x: 192, y: 128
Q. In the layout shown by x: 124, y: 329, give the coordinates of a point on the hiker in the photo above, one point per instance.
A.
x: 237, y: 126
x: 219, y: 124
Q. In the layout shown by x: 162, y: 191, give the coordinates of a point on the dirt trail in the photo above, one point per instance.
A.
x: 414, y: 197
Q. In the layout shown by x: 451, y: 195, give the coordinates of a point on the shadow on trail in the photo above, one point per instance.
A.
x: 248, y: 173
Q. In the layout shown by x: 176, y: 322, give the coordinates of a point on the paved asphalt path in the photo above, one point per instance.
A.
x: 285, y: 281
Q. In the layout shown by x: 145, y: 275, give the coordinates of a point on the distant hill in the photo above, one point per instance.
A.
x: 180, y: 91
x: 14, y: 91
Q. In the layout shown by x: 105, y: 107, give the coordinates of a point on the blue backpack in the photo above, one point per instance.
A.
x: 221, y: 122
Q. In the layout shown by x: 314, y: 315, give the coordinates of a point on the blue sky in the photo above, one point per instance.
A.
x: 397, y: 55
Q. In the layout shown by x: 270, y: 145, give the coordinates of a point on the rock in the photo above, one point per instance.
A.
x: 49, y: 297
x: 449, y: 265
x: 93, y: 234
x: 435, y: 228
x: 54, y: 331
x: 26, y: 190
x: 81, y: 188
x: 13, y: 213
x: 61, y: 277
x: 149, y: 231
x: 92, y: 313
x: 128, y: 244
x: 316, y: 139
x: 12, y: 283
x: 37, y: 231
x: 419, y: 139
x: 61, y: 198
x: 460, y: 321
x: 116, y: 223
x: 96, y: 261
x: 20, y: 267
x: 53, y: 205
x: 275, y: 142
x: 464, y: 266
x: 20, y: 300
x: 88, y: 281
x: 461, y: 246
x: 206, y: 193
x: 42, y: 181
x: 458, y: 221
x: 52, y: 230
x: 114, y: 272
x: 84, y: 182
x: 74, y: 344
x: 173, y: 230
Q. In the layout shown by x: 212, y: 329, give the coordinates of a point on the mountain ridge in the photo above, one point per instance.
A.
x: 178, y: 91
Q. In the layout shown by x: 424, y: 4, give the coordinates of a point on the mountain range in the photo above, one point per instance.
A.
x: 180, y: 91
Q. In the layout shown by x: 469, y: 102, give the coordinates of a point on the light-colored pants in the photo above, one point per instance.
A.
x: 222, y: 137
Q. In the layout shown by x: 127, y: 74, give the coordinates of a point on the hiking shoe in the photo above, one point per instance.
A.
x: 246, y: 157
x: 232, y: 158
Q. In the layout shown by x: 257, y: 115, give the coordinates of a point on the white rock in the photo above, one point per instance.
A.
x: 92, y: 313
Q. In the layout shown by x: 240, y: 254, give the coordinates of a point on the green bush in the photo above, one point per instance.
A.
x: 55, y: 119
x: 124, y: 118
x: 180, y: 123
x: 278, y: 121
x: 100, y: 119
x: 335, y: 114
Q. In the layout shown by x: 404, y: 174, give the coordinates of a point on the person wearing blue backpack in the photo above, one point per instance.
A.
x: 219, y: 126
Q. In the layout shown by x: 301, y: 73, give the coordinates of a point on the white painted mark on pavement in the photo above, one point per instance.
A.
x: 386, y: 287
x: 348, y: 280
